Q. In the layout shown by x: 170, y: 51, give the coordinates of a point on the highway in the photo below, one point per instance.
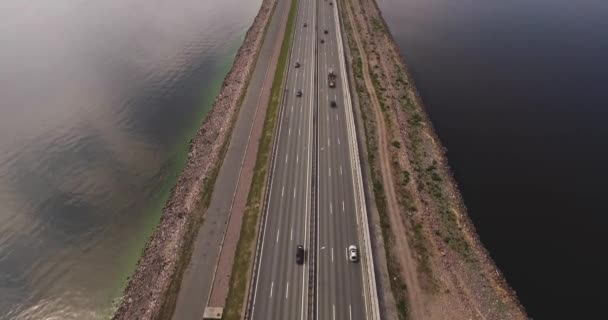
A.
x: 281, y: 290
x: 281, y: 286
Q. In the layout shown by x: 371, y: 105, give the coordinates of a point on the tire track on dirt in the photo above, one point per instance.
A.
x: 405, y: 259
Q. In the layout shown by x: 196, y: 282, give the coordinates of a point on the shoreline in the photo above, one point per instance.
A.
x: 454, y: 275
x: 152, y: 288
x: 469, y: 227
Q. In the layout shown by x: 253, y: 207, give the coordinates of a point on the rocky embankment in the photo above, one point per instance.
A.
x: 151, y: 291
x: 437, y: 268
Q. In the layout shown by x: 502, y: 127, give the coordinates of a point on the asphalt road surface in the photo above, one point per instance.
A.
x: 281, y: 290
x: 339, y: 286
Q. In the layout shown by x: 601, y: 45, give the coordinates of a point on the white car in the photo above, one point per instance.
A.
x: 353, y: 253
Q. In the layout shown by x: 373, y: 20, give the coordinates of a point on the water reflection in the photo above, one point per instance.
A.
x: 99, y: 100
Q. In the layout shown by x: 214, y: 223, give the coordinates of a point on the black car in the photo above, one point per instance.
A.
x: 326, y: 32
x: 299, y: 93
x: 333, y: 104
x: 300, y: 254
x: 322, y: 41
x: 297, y: 64
x: 305, y: 24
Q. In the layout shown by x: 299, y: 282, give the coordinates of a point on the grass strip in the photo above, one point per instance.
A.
x: 245, y: 246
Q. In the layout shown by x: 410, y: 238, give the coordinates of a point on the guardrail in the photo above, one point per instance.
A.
x: 371, y: 293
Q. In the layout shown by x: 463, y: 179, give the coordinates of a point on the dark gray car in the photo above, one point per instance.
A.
x: 300, y: 254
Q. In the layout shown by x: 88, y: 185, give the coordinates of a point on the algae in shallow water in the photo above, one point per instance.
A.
x: 170, y: 171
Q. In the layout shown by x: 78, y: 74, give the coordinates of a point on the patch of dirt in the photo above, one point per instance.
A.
x: 447, y: 271
x: 149, y: 289
x: 405, y: 257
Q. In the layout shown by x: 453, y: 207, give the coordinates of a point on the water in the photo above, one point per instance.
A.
x: 98, y: 100
x: 517, y: 92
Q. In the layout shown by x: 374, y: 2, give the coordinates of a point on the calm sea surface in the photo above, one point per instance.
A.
x: 518, y: 92
x: 98, y: 100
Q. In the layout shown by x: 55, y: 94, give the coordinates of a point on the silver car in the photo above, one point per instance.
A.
x: 353, y: 253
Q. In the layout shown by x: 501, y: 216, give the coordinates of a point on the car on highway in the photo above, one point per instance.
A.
x: 299, y: 93
x: 326, y: 32
x: 322, y: 40
x: 333, y: 104
x: 331, y: 3
x: 297, y: 64
x: 353, y: 253
x: 305, y: 24
x: 300, y: 254
x: 331, y: 78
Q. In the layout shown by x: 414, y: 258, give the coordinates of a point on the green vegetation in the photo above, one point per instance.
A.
x: 401, y: 78
x: 420, y: 244
x: 406, y: 177
x: 377, y: 25
x: 430, y: 180
x: 415, y: 120
x: 419, y: 241
x: 244, y: 250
